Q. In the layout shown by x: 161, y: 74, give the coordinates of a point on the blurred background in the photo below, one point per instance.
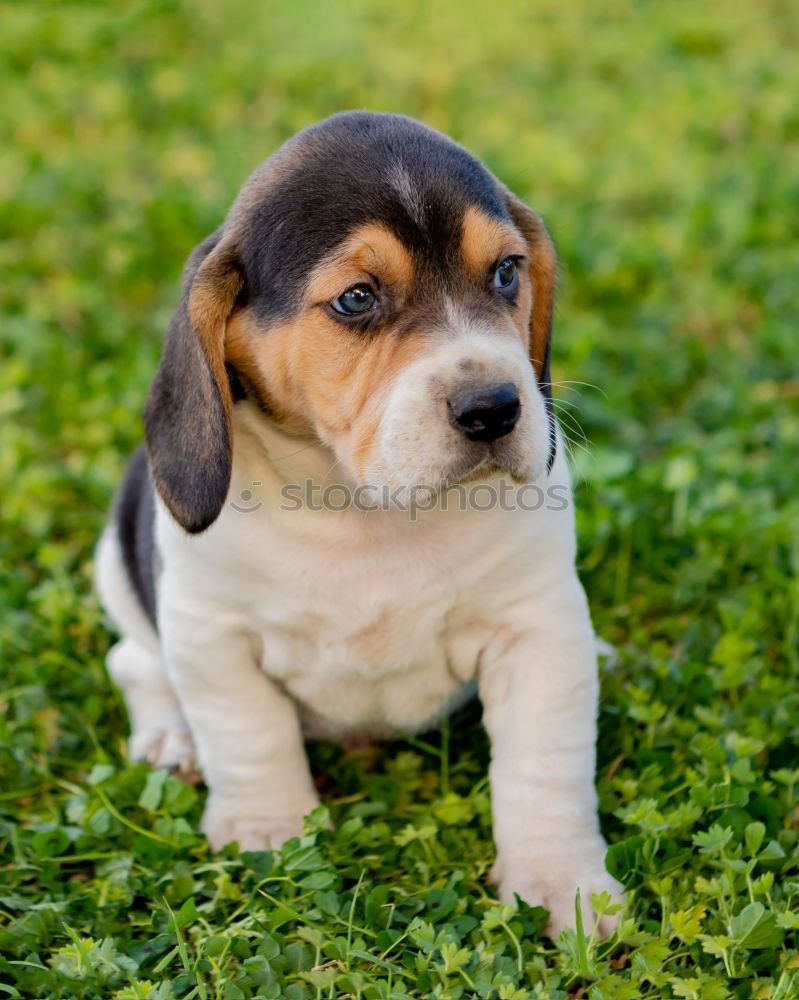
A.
x: 660, y: 142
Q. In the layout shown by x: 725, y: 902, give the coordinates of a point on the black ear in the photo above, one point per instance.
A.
x: 543, y: 270
x: 189, y: 409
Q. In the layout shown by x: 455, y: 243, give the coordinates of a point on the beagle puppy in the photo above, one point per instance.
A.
x: 374, y: 314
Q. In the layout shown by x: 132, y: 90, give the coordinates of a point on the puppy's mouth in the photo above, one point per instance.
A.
x: 497, y: 459
x: 479, y: 463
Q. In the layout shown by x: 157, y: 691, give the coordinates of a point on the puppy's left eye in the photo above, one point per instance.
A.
x: 506, y: 276
x: 355, y: 301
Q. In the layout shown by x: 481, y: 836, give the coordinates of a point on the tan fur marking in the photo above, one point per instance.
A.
x: 369, y: 250
x: 542, y: 270
x: 315, y: 375
x: 211, y: 300
x: 485, y: 241
x: 522, y: 318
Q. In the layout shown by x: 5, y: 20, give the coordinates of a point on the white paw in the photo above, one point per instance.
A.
x: 552, y: 881
x: 168, y: 745
x: 226, y: 820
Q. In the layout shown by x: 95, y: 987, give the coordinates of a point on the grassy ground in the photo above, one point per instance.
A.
x: 661, y: 144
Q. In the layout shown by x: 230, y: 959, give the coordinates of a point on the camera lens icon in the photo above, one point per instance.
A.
x: 247, y: 502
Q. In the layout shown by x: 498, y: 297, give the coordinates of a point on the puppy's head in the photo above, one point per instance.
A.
x: 373, y: 286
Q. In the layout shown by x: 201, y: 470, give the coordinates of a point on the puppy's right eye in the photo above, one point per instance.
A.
x: 355, y: 301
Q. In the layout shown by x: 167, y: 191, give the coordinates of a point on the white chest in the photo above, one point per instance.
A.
x: 372, y: 622
x: 365, y: 638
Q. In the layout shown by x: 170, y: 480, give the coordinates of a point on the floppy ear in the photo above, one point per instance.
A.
x: 189, y: 409
x: 542, y: 268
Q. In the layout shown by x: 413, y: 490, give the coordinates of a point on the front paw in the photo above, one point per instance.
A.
x: 544, y: 879
x: 228, y: 819
x: 166, y: 743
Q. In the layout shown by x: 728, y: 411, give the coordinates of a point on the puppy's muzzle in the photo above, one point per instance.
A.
x: 485, y: 414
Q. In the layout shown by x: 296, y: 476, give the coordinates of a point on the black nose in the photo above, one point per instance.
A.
x: 486, y: 414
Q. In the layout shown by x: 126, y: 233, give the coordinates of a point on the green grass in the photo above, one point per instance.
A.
x: 661, y: 143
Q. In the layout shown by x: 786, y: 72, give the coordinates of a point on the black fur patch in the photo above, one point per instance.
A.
x: 346, y: 175
x: 187, y: 433
x: 135, y: 523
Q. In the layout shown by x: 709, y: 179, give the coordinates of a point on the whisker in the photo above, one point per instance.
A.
x: 314, y: 444
x: 557, y: 401
x: 569, y: 382
x: 575, y: 437
x: 570, y: 422
x: 364, y: 447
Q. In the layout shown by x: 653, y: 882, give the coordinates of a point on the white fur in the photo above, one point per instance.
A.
x: 159, y: 733
x: 400, y: 179
x: 428, y: 451
x: 279, y: 624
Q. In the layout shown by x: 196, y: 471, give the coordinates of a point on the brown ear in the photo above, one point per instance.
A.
x: 189, y: 409
x: 542, y: 268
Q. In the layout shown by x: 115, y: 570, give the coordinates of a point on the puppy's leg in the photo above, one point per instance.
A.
x: 539, y: 691
x: 159, y: 733
x: 247, y: 733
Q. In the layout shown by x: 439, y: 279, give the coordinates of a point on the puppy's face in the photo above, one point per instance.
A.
x: 373, y: 286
